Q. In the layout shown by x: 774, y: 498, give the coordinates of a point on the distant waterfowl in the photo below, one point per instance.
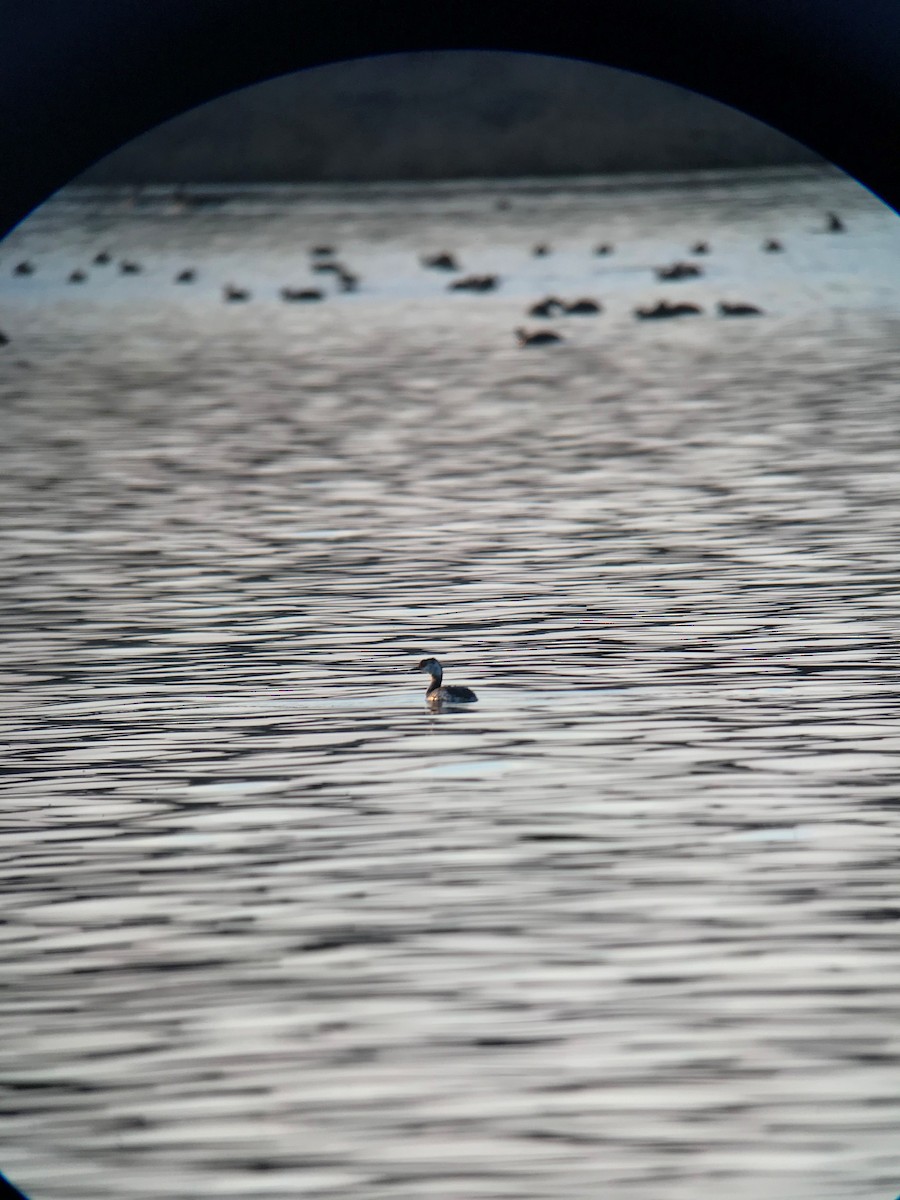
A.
x: 188, y: 275
x: 665, y: 308
x: 700, y: 248
x: 541, y: 250
x: 772, y: 246
x: 103, y: 259
x: 23, y: 268
x: 303, y: 295
x: 835, y: 224
x: 679, y: 270
x: 436, y: 694
x: 77, y: 276
x: 4, y: 340
x: 322, y: 251
x: 440, y: 262
x: 128, y: 267
x: 543, y: 337
x: 234, y: 295
x: 738, y: 310
x: 474, y: 283
x: 603, y: 249
x: 546, y: 308
x: 583, y: 308
x: 347, y: 280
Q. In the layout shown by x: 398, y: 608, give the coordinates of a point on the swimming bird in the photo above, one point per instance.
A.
x: 303, y: 295
x: 440, y: 262
x: 77, y: 276
x: 678, y: 270
x: 23, y: 268
x: 835, y: 224
x: 473, y: 283
x: 738, y: 310
x: 188, y: 275
x: 541, y: 250
x: 583, y: 308
x: 772, y: 246
x: 603, y: 249
x: 665, y: 308
x: 546, y: 308
x: 700, y: 248
x: 103, y: 258
x: 544, y: 337
x: 128, y: 267
x: 232, y: 294
x: 437, y: 694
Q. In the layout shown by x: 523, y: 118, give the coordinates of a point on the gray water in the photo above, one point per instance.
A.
x: 628, y: 926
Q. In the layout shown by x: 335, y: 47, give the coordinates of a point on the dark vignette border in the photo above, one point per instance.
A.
x: 79, y: 80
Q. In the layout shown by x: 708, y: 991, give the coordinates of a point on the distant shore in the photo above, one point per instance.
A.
x: 449, y: 115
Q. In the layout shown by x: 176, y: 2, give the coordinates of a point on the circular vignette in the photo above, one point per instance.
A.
x: 79, y: 82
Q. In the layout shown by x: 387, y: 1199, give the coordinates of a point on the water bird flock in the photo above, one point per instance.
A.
x: 323, y: 261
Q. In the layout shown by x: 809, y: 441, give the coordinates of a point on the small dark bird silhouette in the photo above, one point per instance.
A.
x: 103, y: 259
x: 440, y: 262
x: 679, y: 270
x: 546, y: 308
x: 603, y: 249
x: 665, y: 308
x: 188, y: 275
x: 129, y: 267
x: 474, y: 283
x: 541, y: 250
x: 772, y: 246
x: 835, y: 224
x: 700, y: 248
x: 301, y: 295
x: 234, y: 295
x: 77, y: 277
x: 738, y: 310
x: 544, y: 337
x: 583, y: 308
x: 23, y: 268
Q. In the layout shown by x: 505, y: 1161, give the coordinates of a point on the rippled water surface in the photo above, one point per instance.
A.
x: 629, y: 926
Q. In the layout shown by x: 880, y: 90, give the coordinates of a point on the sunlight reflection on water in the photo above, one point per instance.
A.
x: 628, y: 925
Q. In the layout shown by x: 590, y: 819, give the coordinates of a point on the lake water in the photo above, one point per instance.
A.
x: 626, y: 928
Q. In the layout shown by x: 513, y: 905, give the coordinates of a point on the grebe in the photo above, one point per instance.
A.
x: 443, y: 695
